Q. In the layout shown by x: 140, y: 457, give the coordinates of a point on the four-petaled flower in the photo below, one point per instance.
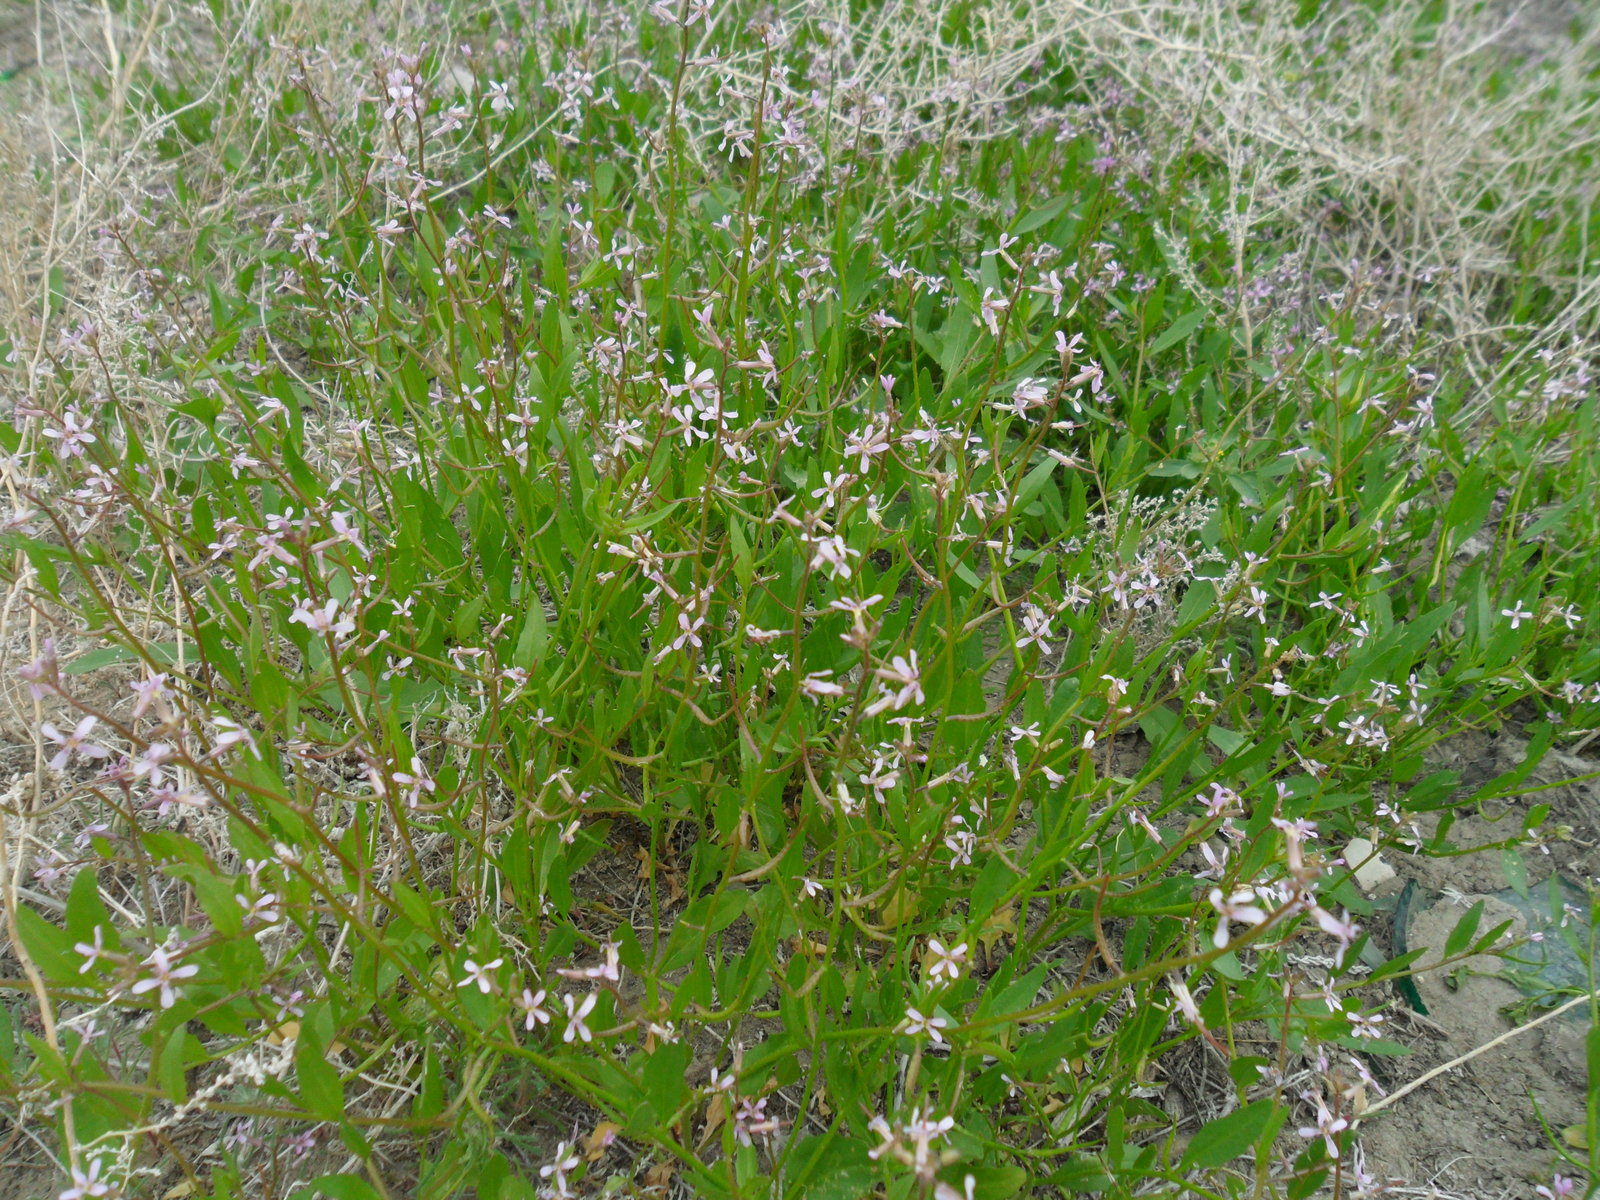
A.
x: 576, y: 1012
x: 563, y: 1161
x: 92, y: 952
x: 480, y: 975
x: 532, y: 1005
x: 946, y: 962
x: 1517, y: 613
x: 915, y: 1024
x: 1236, y: 907
x: 87, y: 1183
x: 899, y: 685
x: 72, y: 743
x: 1328, y: 1127
x: 324, y: 620
x: 163, y: 975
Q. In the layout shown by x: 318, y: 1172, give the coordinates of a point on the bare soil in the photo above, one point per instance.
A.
x: 1474, y: 1131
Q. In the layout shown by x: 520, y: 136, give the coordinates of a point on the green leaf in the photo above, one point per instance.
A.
x: 663, y: 1079
x: 1174, y: 468
x: 836, y: 1169
x: 465, y: 624
x: 1515, y: 870
x: 1591, y: 1043
x: 320, y: 1088
x: 1018, y: 996
x: 1178, y: 330
x: 1042, y: 215
x: 170, y: 1067
x: 84, y: 907
x: 1034, y: 482
x: 743, y: 564
x: 1225, y: 740
x: 344, y: 1186
x: 1461, y: 936
x: 990, y: 1183
x: 534, y: 639
x: 1088, y: 1174
x: 1226, y: 1138
x: 48, y: 945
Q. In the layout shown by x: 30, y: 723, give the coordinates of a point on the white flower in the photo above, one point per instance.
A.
x: 901, y: 685
x: 74, y: 435
x: 576, y: 1029
x: 231, y: 733
x: 1517, y: 613
x: 1186, y: 1003
x: 563, y: 1161
x: 990, y: 308
x: 499, y: 100
x: 946, y: 962
x: 1327, y: 1126
x: 162, y: 975
x: 831, y: 552
x: 532, y: 1005
x: 816, y: 685
x: 480, y: 975
x: 1236, y: 907
x: 915, y: 1024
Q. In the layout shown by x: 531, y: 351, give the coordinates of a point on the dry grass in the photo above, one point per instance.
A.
x: 1426, y: 147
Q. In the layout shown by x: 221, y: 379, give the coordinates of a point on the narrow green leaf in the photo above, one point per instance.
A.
x: 534, y: 639
x: 170, y: 1067
x: 320, y: 1088
x: 1178, y: 330
x: 1461, y: 936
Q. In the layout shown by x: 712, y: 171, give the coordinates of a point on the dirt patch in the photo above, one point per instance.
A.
x: 1474, y: 1130
x: 20, y: 1181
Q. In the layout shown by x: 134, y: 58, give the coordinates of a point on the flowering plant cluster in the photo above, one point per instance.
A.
x: 671, y: 596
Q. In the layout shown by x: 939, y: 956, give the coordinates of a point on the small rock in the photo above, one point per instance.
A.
x: 1370, y: 870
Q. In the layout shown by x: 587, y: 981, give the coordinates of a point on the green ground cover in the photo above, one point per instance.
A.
x: 727, y: 601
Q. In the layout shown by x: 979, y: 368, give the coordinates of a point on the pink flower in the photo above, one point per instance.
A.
x: 1560, y: 1187
x: 72, y: 743
x: 87, y: 1183
x: 163, y: 975
x: 324, y: 619
x: 928, y: 1026
x: 92, y: 952
x: 41, y: 674
x: 1328, y: 1127
x: 1339, y: 927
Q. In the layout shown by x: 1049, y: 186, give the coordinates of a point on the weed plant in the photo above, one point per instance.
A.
x: 606, y: 609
